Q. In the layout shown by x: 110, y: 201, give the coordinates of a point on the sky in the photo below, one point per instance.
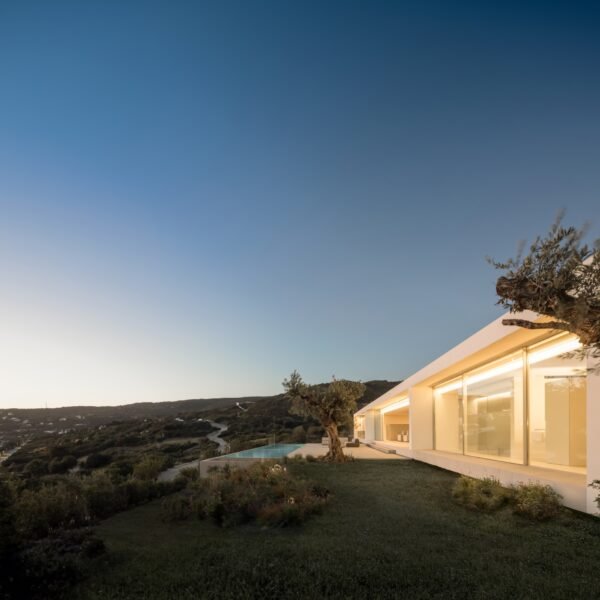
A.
x: 197, y: 198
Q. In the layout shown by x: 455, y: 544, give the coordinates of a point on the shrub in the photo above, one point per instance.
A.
x: 36, y: 468
x: 61, y: 505
x: 97, y: 460
x: 120, y: 470
x: 62, y: 465
x: 536, y: 502
x: 298, y: 435
x: 103, y: 497
x: 176, y: 508
x: 191, y: 473
x: 8, y: 534
x: 50, y: 566
x: 136, y: 491
x: 480, y: 494
x: 310, y: 458
x: 149, y: 468
x: 264, y: 492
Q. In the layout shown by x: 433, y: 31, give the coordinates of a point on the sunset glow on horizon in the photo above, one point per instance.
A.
x: 196, y: 200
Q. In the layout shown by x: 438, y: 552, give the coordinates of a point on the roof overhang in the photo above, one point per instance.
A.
x: 493, y: 341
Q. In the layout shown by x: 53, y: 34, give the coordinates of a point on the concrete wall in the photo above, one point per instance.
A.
x: 593, y: 437
x: 421, y: 417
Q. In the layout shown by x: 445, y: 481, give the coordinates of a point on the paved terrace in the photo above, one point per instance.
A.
x: 362, y: 452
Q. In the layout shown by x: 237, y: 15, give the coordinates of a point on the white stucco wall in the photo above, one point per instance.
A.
x: 421, y: 417
x: 593, y: 438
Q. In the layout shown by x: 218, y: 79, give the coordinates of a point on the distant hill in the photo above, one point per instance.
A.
x: 18, y: 423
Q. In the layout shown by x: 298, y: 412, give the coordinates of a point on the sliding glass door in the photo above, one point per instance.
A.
x: 482, y: 413
x: 557, y: 409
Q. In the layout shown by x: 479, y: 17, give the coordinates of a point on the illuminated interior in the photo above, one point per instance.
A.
x: 482, y: 413
x: 395, y: 419
x: 557, y: 409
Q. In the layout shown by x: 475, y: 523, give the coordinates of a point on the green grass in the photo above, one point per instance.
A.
x: 390, y: 531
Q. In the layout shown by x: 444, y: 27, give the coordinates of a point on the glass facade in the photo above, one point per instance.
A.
x: 494, y: 411
x: 557, y: 409
x: 489, y: 413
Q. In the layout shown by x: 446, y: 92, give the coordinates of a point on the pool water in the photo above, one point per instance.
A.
x: 270, y: 451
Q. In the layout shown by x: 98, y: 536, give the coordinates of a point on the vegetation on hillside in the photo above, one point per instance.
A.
x: 116, y: 447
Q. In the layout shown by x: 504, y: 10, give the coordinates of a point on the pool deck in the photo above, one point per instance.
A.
x: 361, y: 453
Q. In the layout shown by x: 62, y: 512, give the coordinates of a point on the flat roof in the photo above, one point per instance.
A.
x: 492, y: 341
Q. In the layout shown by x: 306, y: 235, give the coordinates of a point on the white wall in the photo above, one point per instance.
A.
x: 421, y: 417
x: 593, y: 437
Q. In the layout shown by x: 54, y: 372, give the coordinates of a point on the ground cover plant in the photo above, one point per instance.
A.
x: 535, y: 501
x: 485, y: 494
x: 390, y: 530
x: 532, y: 500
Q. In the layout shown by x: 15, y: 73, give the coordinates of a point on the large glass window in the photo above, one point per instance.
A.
x: 483, y: 412
x: 493, y: 409
x: 448, y: 417
x: 557, y: 407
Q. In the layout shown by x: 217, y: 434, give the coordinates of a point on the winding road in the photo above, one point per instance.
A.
x: 214, y: 436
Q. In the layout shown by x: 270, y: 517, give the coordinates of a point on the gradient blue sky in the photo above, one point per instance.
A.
x: 197, y: 198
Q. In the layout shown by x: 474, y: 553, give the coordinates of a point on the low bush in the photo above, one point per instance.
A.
x: 104, y: 498
x: 62, y: 465
x: 265, y: 493
x: 36, y: 468
x: 49, y: 567
x: 149, y: 467
x: 62, y: 505
x: 119, y: 470
x: 97, y: 460
x: 176, y: 508
x: 484, y: 494
x: 536, y: 502
x: 191, y: 473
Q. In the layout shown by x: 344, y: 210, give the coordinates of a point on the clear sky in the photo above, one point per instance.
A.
x: 198, y: 197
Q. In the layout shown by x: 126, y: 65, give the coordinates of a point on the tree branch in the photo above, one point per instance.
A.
x: 530, y: 325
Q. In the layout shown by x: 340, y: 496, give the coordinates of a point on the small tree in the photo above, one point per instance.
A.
x: 558, y: 278
x: 331, y: 404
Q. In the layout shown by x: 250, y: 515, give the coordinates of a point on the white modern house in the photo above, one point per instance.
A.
x: 504, y: 403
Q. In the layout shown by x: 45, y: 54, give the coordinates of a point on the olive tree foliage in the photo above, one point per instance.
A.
x: 558, y: 278
x: 332, y: 404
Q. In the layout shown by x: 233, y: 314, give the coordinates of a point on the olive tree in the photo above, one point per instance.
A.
x: 331, y: 404
x: 558, y: 278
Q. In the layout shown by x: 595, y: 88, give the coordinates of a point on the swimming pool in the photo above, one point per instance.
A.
x: 270, y: 451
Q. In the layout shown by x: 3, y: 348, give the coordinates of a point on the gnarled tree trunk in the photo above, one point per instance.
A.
x: 335, y: 454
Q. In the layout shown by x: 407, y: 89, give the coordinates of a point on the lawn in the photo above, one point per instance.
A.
x: 390, y: 531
